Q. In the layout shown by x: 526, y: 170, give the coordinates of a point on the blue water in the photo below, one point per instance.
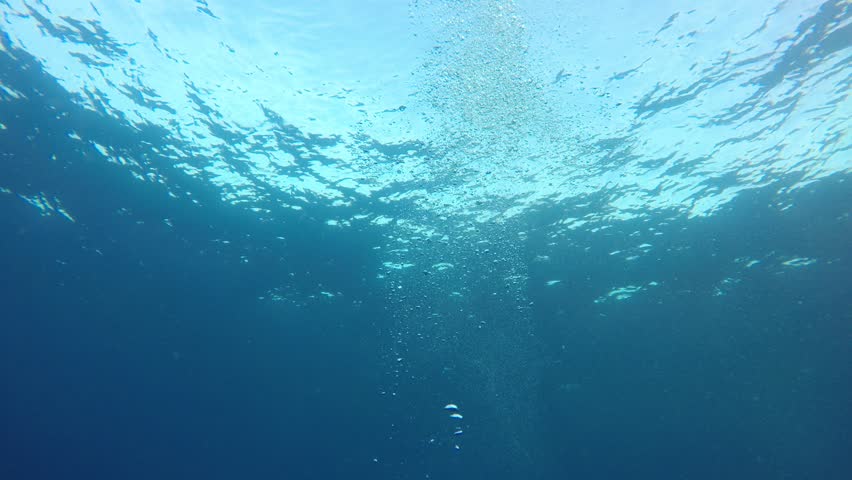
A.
x: 613, y: 269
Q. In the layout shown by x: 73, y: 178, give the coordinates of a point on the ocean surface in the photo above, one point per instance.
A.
x: 433, y: 239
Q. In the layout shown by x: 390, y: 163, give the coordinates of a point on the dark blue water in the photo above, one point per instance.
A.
x: 131, y: 348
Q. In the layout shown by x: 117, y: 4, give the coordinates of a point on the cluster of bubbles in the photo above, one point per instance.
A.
x: 487, y: 99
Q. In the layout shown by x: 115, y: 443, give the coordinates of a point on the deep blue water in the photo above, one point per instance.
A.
x: 133, y: 348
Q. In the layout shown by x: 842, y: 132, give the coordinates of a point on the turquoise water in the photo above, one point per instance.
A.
x: 276, y: 239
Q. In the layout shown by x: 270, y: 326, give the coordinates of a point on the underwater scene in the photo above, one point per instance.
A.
x: 426, y: 239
